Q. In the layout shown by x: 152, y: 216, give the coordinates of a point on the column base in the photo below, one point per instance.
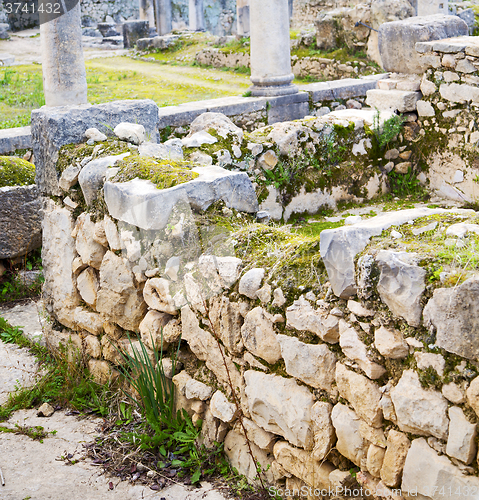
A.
x: 273, y: 90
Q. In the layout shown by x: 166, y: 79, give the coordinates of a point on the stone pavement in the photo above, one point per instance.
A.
x: 35, y: 470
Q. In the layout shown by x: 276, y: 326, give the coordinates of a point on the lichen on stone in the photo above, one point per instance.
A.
x: 163, y: 174
x: 16, y: 172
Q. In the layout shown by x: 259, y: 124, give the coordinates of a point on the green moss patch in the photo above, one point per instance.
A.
x: 163, y: 173
x: 75, y: 153
x: 16, y: 172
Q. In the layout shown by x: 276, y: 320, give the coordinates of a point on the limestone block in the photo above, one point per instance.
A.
x: 89, y: 250
x: 89, y: 321
x: 350, y: 442
x: 313, y: 364
x: 225, y: 270
x: 221, y: 408
x: 407, y: 32
x: 340, y: 246
x: 374, y: 460
x: 213, y: 430
x: 461, y: 93
x: 425, y: 360
x: 384, y: 11
x: 396, y: 451
x: 259, y: 336
x: 133, y: 31
x: 53, y: 127
x: 227, y: 320
x: 427, y: 87
x: 93, y: 175
x: 127, y: 309
x: 196, y: 293
x: 388, y: 408
x: 95, y: 135
x: 100, y: 371
x: 392, y: 100
x: 462, y: 435
x: 300, y: 463
x: 302, y: 316
x: 278, y: 298
x: 419, y: 411
x: 264, y: 294
x: 265, y: 440
x: 159, y: 330
x: 358, y: 309
x: 207, y: 349
x: 363, y: 394
x: 453, y: 393
x: 132, y: 201
x: 130, y: 132
x: 323, y: 431
x: 157, y: 296
x: 461, y: 229
x: 465, y: 66
x: 194, y: 389
x: 219, y: 122
x: 250, y: 282
x: 69, y: 177
x: 280, y: 406
x: 237, y: 451
x: 390, y: 343
x: 198, y: 139
x: 424, y: 108
x: 92, y: 346
x: 112, y: 234
x: 401, y: 284
x: 428, y: 474
x: 87, y: 284
x: 59, y: 247
x: 20, y: 220
x: 113, y: 331
x: 454, y: 312
x: 118, y: 298
x: 111, y: 350
x: 169, y: 150
x: 357, y: 351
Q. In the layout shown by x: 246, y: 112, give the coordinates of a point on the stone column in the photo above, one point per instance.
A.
x: 147, y: 12
x: 63, y: 66
x: 242, y: 17
x: 163, y: 16
x: 270, y: 51
x: 197, y: 15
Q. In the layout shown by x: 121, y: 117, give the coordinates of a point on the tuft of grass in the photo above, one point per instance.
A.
x: 65, y: 382
x: 37, y: 432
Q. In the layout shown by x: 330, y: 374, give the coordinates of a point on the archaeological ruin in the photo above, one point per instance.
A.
x: 304, y: 256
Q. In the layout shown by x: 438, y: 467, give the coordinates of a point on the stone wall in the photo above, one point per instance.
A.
x: 446, y: 99
x: 350, y: 350
x: 316, y: 67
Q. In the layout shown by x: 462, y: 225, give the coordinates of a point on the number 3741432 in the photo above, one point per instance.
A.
x: 31, y: 8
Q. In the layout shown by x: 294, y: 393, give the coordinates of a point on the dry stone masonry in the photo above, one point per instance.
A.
x: 357, y: 369
x: 348, y: 353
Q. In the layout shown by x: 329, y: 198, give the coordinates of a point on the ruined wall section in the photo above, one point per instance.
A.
x: 349, y: 350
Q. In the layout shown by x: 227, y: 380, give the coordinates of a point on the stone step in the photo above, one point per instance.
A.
x: 393, y: 100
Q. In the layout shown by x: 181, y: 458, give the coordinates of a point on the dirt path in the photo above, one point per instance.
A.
x: 25, y: 46
x: 36, y: 471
